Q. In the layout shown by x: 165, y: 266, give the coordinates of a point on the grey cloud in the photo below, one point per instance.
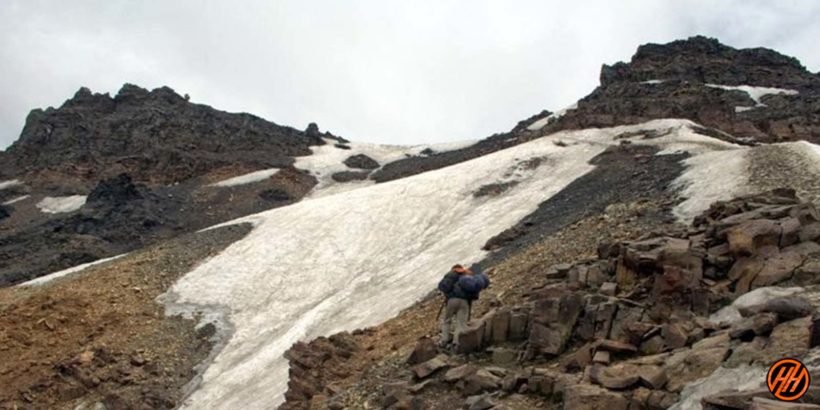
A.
x: 391, y: 72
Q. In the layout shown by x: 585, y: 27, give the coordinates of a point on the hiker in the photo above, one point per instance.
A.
x: 460, y: 287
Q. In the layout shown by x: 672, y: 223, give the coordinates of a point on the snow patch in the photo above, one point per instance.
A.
x: 652, y: 82
x: 755, y: 93
x: 710, y: 177
x: 51, y: 276
x: 356, y: 258
x: 15, y: 200
x: 248, y: 178
x: 10, y: 183
x: 328, y: 159
x: 542, y: 122
x: 60, y: 204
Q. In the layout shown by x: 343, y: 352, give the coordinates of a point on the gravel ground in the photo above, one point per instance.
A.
x: 99, y: 335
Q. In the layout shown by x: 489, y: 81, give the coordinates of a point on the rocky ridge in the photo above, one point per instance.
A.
x: 629, y: 328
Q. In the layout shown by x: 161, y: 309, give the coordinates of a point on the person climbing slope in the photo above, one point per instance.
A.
x: 460, y: 287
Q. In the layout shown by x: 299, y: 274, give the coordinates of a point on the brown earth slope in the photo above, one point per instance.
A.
x: 100, y: 335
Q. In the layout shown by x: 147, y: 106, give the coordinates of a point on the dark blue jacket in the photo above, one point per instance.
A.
x: 465, y: 287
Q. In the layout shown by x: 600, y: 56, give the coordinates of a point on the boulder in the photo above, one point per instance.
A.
x: 596, y: 322
x: 788, y: 308
x: 361, y: 161
x: 748, y: 237
x: 653, y: 377
x: 789, y: 231
x: 580, y: 359
x: 616, y: 377
x: 749, y: 327
x: 481, y: 381
x: 471, y: 339
x: 540, y: 384
x: 348, y: 176
x: 608, y: 288
x: 615, y: 346
x: 804, y: 249
x: 396, y: 394
x: 789, y: 339
x: 808, y: 273
x: 810, y: 232
x: 459, y: 373
x: 805, y: 212
x: 674, y: 335
x: 589, y: 397
x: 424, y: 350
x: 551, y: 323
x: 500, y: 326
x: 777, y: 269
x: 691, y: 364
x: 653, y: 345
x: 479, y: 402
x: 623, y: 317
x: 601, y: 357
x: 423, y: 370
x: 518, y: 326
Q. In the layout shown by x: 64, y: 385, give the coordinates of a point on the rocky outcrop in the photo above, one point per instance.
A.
x: 348, y: 176
x: 155, y: 136
x: 631, y: 327
x: 361, y: 161
x: 678, y: 79
x: 311, y: 365
x: 117, y: 217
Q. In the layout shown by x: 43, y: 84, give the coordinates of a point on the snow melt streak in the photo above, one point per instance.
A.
x: 10, y: 183
x: 248, y: 178
x: 357, y: 258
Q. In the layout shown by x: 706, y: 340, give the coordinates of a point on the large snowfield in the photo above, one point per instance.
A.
x: 356, y: 258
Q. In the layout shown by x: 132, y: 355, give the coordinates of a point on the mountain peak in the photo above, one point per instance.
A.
x: 706, y: 60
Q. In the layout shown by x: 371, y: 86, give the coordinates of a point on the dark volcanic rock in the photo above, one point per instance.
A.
x: 436, y: 160
x: 154, y: 136
x: 673, y: 81
x: 118, y: 217
x: 361, y: 161
x: 117, y: 190
x: 706, y: 60
x: 275, y: 194
x: 5, y: 212
x: 347, y: 176
x: 623, y: 173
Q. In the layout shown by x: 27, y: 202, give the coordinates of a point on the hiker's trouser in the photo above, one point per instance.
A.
x: 455, y: 319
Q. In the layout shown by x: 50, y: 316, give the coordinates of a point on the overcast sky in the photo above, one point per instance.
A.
x: 372, y: 70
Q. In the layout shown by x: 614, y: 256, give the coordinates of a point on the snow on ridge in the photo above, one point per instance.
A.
x: 357, y: 258
x: 15, y: 200
x: 248, y: 178
x: 653, y: 82
x: 60, y: 204
x: 327, y: 159
x: 542, y: 122
x: 754, y: 92
x: 10, y: 183
x: 51, y: 276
